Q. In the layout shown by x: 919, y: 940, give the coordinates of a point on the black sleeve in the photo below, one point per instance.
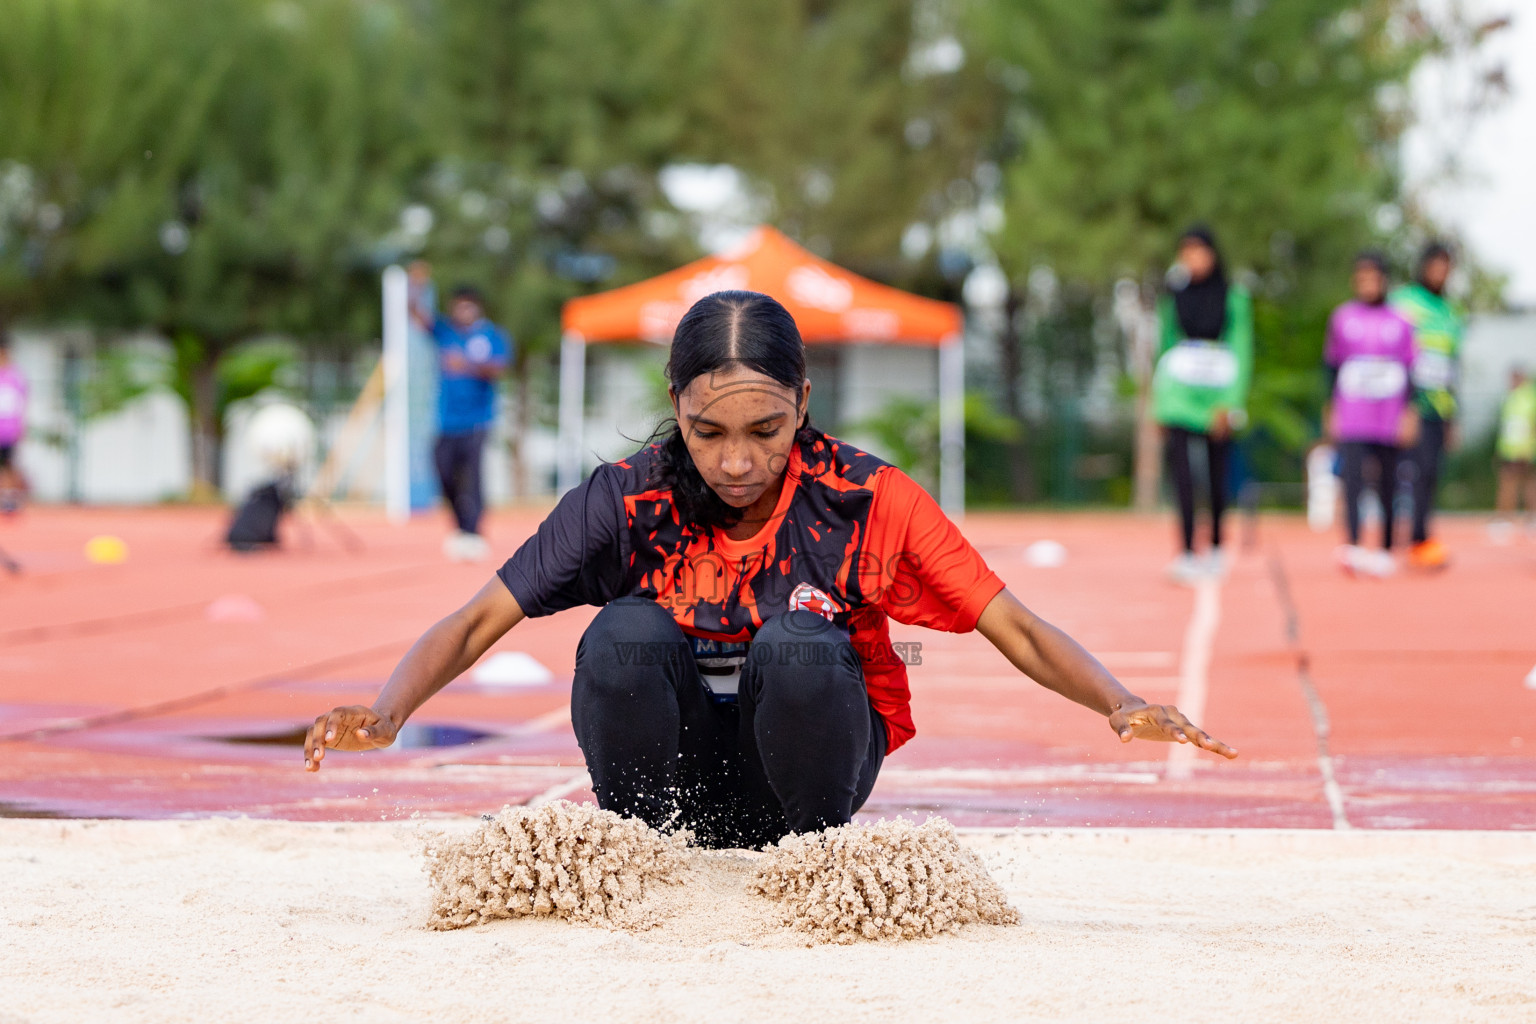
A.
x: 1333, y: 377
x: 579, y: 554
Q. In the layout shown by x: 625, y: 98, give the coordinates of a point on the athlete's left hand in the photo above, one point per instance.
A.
x: 1221, y: 424
x: 1165, y: 723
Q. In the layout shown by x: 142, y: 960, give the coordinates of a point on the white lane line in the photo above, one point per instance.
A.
x: 1322, y: 731
x: 566, y: 788
x: 1316, y: 709
x: 1194, y: 671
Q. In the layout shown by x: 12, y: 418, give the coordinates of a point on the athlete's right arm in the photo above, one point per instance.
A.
x: 447, y: 649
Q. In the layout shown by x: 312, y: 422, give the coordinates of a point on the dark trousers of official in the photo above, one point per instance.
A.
x: 798, y: 752
x: 1427, y: 456
x: 457, y: 458
x: 1218, y: 456
x: 1353, y: 459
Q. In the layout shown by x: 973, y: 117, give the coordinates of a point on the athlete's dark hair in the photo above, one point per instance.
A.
x: 1434, y: 250
x: 470, y: 292
x: 720, y: 332
x: 1376, y: 258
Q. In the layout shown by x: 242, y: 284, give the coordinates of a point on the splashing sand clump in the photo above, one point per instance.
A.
x: 562, y: 859
x: 891, y: 880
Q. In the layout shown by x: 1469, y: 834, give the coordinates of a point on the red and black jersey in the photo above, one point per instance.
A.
x: 852, y: 537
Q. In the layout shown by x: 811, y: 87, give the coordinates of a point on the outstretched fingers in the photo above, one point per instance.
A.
x: 1166, y: 723
x: 314, y: 743
x: 1188, y: 732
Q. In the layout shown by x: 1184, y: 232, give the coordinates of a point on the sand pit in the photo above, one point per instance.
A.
x: 224, y: 920
x: 889, y: 880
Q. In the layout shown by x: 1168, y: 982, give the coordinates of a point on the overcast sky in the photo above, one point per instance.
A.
x: 1494, y: 205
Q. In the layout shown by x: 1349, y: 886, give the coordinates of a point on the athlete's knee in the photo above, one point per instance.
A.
x: 801, y: 658
x: 628, y: 636
x: 633, y: 618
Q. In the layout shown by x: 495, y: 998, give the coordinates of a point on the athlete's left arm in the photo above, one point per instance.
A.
x: 1057, y: 662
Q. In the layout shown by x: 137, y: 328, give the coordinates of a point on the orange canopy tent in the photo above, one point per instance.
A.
x: 830, y: 305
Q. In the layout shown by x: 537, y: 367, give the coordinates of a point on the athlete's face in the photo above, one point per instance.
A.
x: 464, y: 312
x: 740, y: 426
x: 1435, y: 273
x: 1197, y: 258
x: 1369, y: 284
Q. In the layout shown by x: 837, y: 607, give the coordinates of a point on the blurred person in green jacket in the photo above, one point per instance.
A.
x: 1515, y: 452
x: 1437, y: 332
x: 1200, y: 386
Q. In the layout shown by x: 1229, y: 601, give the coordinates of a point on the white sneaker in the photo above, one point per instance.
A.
x: 1351, y: 558
x: 1216, y: 563
x: 1186, y: 569
x: 466, y: 547
x: 1379, y: 564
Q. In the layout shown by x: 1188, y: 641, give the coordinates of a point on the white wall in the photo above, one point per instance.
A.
x: 871, y: 375
x: 138, y: 454
x: 621, y: 410
x: 141, y: 454
x: 1493, y: 345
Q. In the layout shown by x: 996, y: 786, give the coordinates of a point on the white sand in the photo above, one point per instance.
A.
x: 272, y: 921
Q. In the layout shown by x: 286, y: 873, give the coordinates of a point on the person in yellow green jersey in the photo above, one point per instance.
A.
x: 1437, y: 330
x: 1200, y: 386
x: 1516, y: 452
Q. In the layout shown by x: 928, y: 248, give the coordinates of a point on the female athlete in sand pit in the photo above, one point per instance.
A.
x: 740, y: 679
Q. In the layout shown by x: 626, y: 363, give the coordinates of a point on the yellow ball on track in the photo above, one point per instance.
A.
x: 106, y: 550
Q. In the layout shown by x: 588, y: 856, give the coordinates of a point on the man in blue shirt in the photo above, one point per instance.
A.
x: 472, y: 353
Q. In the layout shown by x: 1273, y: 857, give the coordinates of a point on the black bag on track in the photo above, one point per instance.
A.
x: 255, y: 523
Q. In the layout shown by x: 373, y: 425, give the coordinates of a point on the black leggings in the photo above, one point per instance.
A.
x: 799, y: 751
x: 1426, y: 456
x: 1218, y: 455
x: 1353, y: 456
x: 457, y: 459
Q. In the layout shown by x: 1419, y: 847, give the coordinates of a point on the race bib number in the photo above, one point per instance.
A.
x: 1372, y: 378
x: 1201, y: 364
x: 1434, y: 371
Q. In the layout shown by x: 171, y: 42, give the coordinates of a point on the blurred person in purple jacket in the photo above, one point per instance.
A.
x: 1369, y: 355
x: 13, y: 427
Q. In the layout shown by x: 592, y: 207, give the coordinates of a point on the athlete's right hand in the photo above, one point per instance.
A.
x: 348, y: 728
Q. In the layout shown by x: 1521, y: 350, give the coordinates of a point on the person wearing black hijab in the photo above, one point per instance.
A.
x: 1200, y: 387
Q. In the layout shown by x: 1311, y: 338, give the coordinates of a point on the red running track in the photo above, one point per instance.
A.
x: 1368, y: 704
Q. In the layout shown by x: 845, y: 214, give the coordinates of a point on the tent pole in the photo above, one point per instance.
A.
x: 573, y: 389
x: 397, y: 408
x: 952, y: 426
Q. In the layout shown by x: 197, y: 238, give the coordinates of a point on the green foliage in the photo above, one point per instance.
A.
x: 257, y: 366
x: 907, y: 430
x: 124, y: 372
